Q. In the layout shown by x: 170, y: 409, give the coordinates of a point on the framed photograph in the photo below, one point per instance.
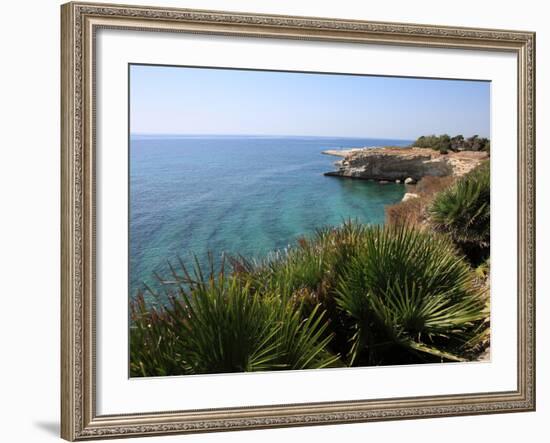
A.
x: 282, y: 221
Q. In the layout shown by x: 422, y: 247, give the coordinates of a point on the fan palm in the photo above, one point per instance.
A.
x: 463, y: 211
x: 408, y: 291
x: 219, y: 324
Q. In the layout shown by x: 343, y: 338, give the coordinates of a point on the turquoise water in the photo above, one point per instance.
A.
x: 238, y: 195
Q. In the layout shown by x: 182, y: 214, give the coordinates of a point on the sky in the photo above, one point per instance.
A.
x: 181, y: 100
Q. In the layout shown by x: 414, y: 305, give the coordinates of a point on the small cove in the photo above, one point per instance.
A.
x: 247, y: 195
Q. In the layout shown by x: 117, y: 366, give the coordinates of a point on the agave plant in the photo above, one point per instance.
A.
x: 463, y: 211
x: 409, y: 293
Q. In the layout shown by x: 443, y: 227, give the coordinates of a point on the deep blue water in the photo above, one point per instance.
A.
x: 238, y: 195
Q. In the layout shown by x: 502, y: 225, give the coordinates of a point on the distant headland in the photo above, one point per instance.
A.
x: 427, y: 156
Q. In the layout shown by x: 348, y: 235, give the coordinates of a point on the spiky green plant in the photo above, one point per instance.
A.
x: 354, y: 295
x: 420, y: 265
x: 308, y: 273
x: 219, y: 324
x: 303, y: 339
x: 408, y: 292
x: 154, y: 341
x: 463, y: 211
x: 313, y: 264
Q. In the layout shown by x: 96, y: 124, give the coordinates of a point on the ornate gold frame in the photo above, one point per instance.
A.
x: 79, y: 22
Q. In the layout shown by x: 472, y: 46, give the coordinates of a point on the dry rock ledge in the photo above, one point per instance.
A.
x: 399, y: 164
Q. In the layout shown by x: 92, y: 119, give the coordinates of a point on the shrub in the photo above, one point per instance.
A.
x: 413, y: 212
x: 411, y: 260
x: 476, y: 143
x: 463, y: 211
x: 444, y: 143
x: 220, y: 325
x: 410, y: 212
x: 154, y: 341
x: 457, y: 142
x: 430, y: 185
x: 352, y: 295
x: 409, y: 293
x: 289, y: 270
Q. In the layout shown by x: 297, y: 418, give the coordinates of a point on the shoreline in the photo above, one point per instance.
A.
x: 346, y: 151
x: 401, y: 164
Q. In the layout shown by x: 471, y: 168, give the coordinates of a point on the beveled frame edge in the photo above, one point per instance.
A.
x: 78, y: 24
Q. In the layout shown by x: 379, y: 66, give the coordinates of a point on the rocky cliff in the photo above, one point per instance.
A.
x: 400, y: 164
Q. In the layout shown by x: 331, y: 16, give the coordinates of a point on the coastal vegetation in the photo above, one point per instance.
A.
x: 457, y: 207
x: 414, y: 290
x: 220, y: 324
x: 291, y: 260
x: 352, y: 295
x: 414, y: 211
x: 463, y: 212
x: 445, y: 143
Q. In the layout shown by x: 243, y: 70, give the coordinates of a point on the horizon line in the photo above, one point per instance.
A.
x: 175, y: 134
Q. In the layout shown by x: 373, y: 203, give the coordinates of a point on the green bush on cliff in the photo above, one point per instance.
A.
x: 463, y: 212
x: 408, y: 293
x: 444, y: 143
x: 349, y: 296
x: 220, y: 325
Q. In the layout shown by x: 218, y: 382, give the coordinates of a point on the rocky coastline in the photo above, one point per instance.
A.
x: 402, y: 165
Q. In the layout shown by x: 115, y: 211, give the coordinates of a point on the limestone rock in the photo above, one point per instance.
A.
x: 409, y: 196
x: 392, y: 164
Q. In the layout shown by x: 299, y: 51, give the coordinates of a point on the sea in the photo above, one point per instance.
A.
x: 191, y: 196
